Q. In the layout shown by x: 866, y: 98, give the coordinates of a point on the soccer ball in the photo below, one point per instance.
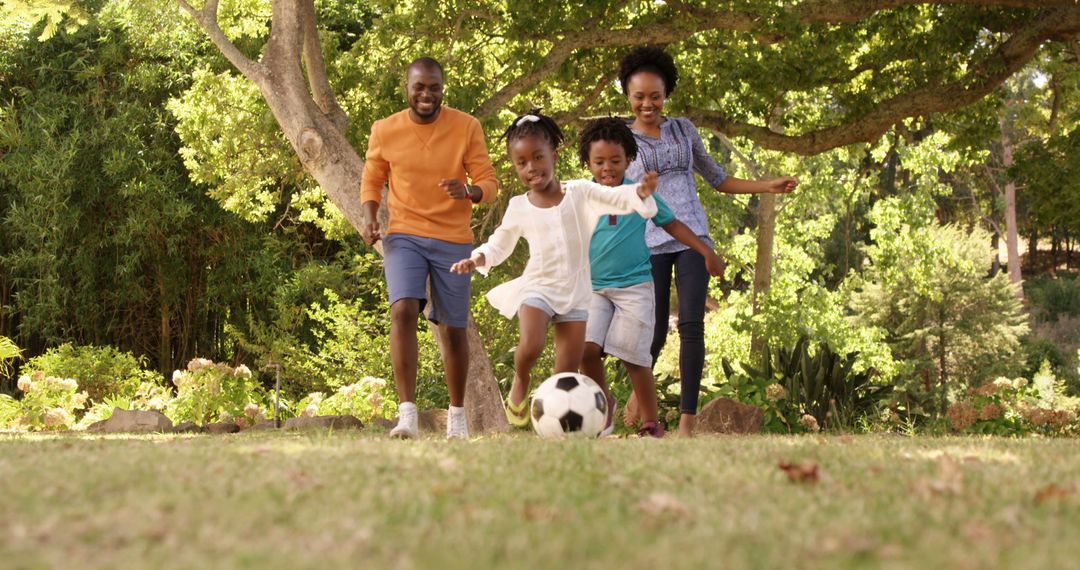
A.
x: 568, y: 404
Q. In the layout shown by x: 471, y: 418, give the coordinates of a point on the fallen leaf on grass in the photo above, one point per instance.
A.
x: 1053, y: 492
x: 800, y: 472
x: 664, y: 505
x: 538, y: 513
x: 949, y: 480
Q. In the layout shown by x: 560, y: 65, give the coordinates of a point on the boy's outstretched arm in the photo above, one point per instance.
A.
x: 680, y: 231
x: 782, y: 185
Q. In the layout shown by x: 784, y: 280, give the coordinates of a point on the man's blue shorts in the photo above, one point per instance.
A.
x: 410, y: 260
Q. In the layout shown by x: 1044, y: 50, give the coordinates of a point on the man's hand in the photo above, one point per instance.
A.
x: 457, y: 190
x: 647, y: 186
x: 371, y: 232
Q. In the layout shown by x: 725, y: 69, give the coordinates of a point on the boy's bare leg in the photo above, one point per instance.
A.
x: 644, y: 397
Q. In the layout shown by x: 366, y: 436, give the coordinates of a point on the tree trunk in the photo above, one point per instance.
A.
x: 942, y: 374
x: 766, y: 235
x: 1033, y: 247
x: 1011, y: 233
x: 314, y: 125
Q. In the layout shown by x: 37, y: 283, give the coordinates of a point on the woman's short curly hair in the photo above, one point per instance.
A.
x: 649, y: 58
x: 608, y: 129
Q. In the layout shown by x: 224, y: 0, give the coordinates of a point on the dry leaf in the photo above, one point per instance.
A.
x: 949, y: 480
x: 664, y: 505
x: 1053, y: 492
x: 800, y: 472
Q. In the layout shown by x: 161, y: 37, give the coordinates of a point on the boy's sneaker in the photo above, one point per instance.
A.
x: 651, y: 429
x: 610, y: 425
x: 408, y: 422
x: 457, y: 426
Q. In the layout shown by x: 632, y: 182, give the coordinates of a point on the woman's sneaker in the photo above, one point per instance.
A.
x: 652, y: 429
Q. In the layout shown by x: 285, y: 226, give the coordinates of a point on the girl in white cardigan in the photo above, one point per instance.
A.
x: 557, y: 220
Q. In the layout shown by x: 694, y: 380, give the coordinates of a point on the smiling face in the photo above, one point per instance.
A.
x: 534, y: 161
x: 647, y: 94
x: 424, y: 91
x: 607, y: 162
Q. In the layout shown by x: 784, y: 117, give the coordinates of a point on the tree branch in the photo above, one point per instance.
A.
x: 321, y: 91
x: 981, y: 79
x: 675, y: 29
x: 207, y: 20
x: 846, y: 11
x: 286, y: 34
x: 573, y: 117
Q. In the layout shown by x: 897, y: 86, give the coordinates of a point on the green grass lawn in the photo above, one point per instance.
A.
x: 350, y: 500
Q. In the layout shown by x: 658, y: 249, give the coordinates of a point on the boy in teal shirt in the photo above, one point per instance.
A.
x: 622, y: 311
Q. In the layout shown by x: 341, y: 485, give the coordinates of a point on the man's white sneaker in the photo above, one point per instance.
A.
x: 457, y: 425
x: 407, y: 426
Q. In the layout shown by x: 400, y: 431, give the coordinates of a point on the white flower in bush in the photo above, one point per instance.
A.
x: 57, y: 417
x: 251, y: 410
x: 1020, y: 383
x: 242, y: 371
x: 373, y: 382
x: 156, y: 403
x: 315, y: 397
x: 25, y: 383
x: 310, y: 411
x: 225, y: 417
x: 199, y: 364
x: 375, y: 399
x: 350, y: 390
x: 70, y: 384
x: 177, y: 378
x: 809, y: 423
x: 81, y: 398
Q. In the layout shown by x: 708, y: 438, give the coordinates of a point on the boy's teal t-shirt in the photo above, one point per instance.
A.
x: 618, y: 256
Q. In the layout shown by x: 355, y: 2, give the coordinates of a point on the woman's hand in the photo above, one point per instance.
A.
x: 781, y: 185
x: 714, y: 264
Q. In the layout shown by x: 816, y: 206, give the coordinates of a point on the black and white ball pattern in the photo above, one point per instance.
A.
x: 568, y: 404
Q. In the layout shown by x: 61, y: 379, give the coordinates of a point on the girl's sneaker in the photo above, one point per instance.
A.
x: 651, y: 429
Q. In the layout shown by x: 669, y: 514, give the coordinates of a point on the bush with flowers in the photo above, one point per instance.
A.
x: 149, y: 396
x: 369, y: 398
x: 208, y: 392
x: 780, y: 416
x: 48, y: 402
x: 1016, y: 407
x: 100, y: 370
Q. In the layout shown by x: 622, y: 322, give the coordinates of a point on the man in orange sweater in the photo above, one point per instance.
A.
x: 438, y: 167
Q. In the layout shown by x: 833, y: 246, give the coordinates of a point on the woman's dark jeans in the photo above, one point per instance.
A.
x: 692, y: 284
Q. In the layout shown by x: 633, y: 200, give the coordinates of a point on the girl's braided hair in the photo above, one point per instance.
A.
x: 607, y: 129
x: 534, y: 123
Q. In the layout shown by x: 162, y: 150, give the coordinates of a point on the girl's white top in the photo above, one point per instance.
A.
x: 558, y: 238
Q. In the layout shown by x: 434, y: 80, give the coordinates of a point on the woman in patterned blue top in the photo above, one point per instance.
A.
x: 672, y: 147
